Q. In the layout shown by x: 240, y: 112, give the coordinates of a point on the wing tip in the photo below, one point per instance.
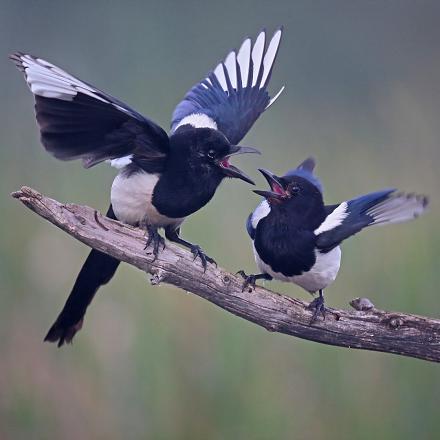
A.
x: 19, y: 58
x: 279, y: 30
x: 270, y: 56
x: 421, y: 199
x: 15, y: 55
x: 16, y: 58
x: 409, y: 207
x: 263, y: 33
x: 263, y: 30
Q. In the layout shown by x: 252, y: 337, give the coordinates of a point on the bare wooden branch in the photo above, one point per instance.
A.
x: 367, y: 328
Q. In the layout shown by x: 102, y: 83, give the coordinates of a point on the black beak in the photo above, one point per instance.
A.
x: 232, y: 171
x: 269, y: 194
x: 278, y: 192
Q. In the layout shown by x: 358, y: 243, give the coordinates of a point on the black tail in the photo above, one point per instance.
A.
x: 97, y: 270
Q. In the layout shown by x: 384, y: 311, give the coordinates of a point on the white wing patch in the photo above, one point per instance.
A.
x: 121, y: 162
x: 262, y: 63
x: 261, y: 211
x: 230, y: 65
x: 334, y: 219
x: 399, y: 208
x: 269, y: 58
x: 251, y: 65
x: 47, y: 80
x: 257, y: 55
x: 220, y: 74
x: 244, y: 59
x: 197, y: 120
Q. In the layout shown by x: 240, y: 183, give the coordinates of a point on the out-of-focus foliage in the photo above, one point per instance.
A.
x: 362, y: 95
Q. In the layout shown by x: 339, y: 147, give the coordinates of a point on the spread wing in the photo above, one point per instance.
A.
x: 378, y: 208
x: 234, y: 94
x: 78, y: 121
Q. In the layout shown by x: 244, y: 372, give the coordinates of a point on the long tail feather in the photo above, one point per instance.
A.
x: 97, y: 270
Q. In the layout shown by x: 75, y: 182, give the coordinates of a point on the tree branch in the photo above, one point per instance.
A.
x: 390, y: 332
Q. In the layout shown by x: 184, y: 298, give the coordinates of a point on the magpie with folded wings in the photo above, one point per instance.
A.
x: 163, y: 178
x: 296, y: 237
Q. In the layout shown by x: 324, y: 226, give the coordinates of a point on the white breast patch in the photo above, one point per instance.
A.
x: 131, y: 200
x: 321, y: 275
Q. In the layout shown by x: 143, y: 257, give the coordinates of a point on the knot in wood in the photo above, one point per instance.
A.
x: 81, y: 219
x: 157, y: 278
x: 396, y: 322
x: 361, y: 304
x: 272, y: 327
x: 226, y: 280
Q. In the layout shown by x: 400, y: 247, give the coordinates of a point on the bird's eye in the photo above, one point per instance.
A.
x: 211, y: 154
x: 294, y: 190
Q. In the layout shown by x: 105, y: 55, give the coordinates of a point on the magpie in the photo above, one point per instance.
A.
x: 162, y: 178
x: 296, y: 237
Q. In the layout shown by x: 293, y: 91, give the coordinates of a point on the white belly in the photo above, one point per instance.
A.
x: 131, y: 200
x: 321, y: 275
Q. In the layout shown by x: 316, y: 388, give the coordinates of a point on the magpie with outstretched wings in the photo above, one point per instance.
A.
x: 163, y: 178
x: 296, y: 237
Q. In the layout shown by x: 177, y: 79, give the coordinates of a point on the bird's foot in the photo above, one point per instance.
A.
x: 317, y: 305
x: 197, y: 252
x: 249, y: 280
x: 155, y: 239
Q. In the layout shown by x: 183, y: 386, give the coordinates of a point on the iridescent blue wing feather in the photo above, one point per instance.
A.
x: 234, y: 94
x: 377, y: 208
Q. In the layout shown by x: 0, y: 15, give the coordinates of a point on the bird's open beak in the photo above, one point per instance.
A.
x: 277, y: 190
x: 232, y: 171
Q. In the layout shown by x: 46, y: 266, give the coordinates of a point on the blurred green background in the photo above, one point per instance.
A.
x: 362, y: 95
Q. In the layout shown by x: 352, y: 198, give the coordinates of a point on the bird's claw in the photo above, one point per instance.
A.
x: 156, y: 240
x: 317, y: 305
x: 249, y: 280
x: 197, y: 252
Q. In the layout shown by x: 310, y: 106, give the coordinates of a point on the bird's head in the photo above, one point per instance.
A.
x: 210, y: 153
x: 297, y: 185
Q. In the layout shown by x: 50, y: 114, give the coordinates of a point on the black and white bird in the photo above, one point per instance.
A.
x: 163, y: 178
x: 296, y: 237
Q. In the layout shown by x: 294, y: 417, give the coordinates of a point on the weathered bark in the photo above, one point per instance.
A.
x: 370, y: 329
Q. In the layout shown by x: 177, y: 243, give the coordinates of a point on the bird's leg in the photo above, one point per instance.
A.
x: 317, y: 305
x: 250, y: 280
x: 173, y: 235
x: 154, y: 238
